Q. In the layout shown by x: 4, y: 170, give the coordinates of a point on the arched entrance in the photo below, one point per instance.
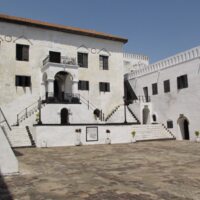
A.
x: 62, y: 86
x: 64, y: 116
x: 146, y: 115
x: 184, y: 127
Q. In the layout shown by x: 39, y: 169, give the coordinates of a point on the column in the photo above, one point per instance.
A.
x: 51, y: 88
x: 75, y: 87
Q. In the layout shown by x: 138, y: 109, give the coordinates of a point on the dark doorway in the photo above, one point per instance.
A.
x: 64, y: 116
x: 54, y: 57
x: 146, y: 94
x: 186, y: 130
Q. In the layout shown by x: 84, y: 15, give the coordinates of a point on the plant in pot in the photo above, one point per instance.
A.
x: 78, y: 137
x: 197, y: 133
x: 108, y: 140
x: 133, y: 133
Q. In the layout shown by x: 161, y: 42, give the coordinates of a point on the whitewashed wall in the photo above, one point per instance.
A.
x: 42, y: 41
x: 169, y: 106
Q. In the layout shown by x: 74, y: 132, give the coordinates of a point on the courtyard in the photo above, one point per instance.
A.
x: 162, y: 170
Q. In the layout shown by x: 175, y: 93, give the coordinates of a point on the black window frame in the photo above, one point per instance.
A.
x: 83, y: 85
x: 170, y: 124
x: 166, y: 85
x: 182, y: 82
x: 104, y: 86
x: 105, y: 62
x: 154, y: 89
x: 22, y: 81
x: 22, y: 52
x: 82, y: 59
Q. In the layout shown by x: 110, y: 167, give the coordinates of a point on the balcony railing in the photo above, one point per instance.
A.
x: 63, y: 60
x: 143, y: 99
x: 68, y: 98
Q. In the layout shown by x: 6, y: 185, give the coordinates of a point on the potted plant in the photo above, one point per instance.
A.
x: 133, y: 133
x: 78, y: 137
x: 197, y: 133
x: 108, y: 140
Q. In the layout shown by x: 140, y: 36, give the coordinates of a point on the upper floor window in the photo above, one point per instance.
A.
x: 169, y: 124
x: 83, y: 85
x: 104, y: 87
x: 54, y: 57
x: 154, y: 88
x: 22, y: 52
x: 23, y: 81
x: 103, y: 62
x: 83, y: 60
x: 166, y: 86
x: 182, y: 82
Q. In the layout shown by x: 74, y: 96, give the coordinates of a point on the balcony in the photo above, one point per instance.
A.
x: 60, y: 60
x: 64, y: 98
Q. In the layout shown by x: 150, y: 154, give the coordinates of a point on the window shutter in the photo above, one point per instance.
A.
x: 87, y: 85
x: 80, y: 59
x: 17, y: 81
x: 85, y: 60
x: 108, y: 87
x: 100, y: 62
x: 25, y: 52
x: 27, y: 81
x: 185, y: 81
x: 18, y: 52
x: 101, y: 86
x: 105, y: 63
x: 79, y: 85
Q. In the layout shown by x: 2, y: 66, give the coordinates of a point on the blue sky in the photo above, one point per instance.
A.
x: 156, y: 28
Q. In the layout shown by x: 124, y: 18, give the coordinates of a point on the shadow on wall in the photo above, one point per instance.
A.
x: 4, y: 191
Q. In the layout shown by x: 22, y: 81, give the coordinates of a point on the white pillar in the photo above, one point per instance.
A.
x: 43, y: 90
x: 75, y: 87
x: 50, y: 88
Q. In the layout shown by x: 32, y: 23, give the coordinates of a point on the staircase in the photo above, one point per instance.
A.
x: 20, y: 137
x: 152, y: 132
x: 117, y: 115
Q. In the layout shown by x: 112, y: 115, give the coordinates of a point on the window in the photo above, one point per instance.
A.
x: 169, y: 124
x: 182, y: 82
x: 22, y: 52
x: 23, y: 81
x: 83, y: 60
x: 104, y: 87
x: 154, y: 88
x: 54, y: 57
x: 166, y: 86
x: 103, y: 62
x: 83, y: 85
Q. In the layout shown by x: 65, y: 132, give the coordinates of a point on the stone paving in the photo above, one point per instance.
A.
x: 167, y: 170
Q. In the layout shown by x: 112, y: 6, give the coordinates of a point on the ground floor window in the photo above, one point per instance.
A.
x: 22, y: 81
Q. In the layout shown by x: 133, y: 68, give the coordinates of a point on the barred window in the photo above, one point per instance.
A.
x: 22, y: 52
x: 83, y: 85
x: 83, y: 60
x: 104, y: 87
x: 182, y: 82
x: 23, y: 81
x: 103, y: 62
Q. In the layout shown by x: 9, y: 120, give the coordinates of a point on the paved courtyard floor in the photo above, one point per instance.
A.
x: 168, y: 170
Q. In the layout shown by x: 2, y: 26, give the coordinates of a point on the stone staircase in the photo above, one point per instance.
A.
x: 152, y: 132
x: 19, y: 136
x: 117, y: 116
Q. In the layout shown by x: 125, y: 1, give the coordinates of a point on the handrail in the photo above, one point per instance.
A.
x: 88, y: 103
x: 5, y: 119
x: 144, y: 99
x: 26, y: 111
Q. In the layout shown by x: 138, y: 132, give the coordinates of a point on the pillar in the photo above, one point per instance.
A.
x: 51, y: 88
x: 75, y: 87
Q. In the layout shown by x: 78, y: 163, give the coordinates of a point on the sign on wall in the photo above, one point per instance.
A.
x: 91, y: 134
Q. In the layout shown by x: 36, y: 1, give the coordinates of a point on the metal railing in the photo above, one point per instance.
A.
x: 63, y: 60
x: 72, y: 98
x: 3, y: 119
x: 144, y: 99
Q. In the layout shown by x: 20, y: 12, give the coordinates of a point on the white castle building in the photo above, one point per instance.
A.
x: 65, y: 86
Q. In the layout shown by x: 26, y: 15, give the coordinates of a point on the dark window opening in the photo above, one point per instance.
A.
x: 23, y: 81
x: 103, y: 62
x: 83, y: 85
x: 169, y: 124
x: 104, y: 87
x: 182, y: 82
x: 54, y: 57
x: 22, y: 52
x: 154, y: 89
x: 83, y: 60
x: 166, y: 86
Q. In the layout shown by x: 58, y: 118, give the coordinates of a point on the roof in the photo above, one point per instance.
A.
x: 61, y: 28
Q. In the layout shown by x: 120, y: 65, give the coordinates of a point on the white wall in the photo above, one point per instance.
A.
x: 8, y: 161
x: 41, y: 41
x: 169, y: 106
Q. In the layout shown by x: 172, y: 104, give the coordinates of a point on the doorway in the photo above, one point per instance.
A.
x: 64, y: 115
x: 184, y: 127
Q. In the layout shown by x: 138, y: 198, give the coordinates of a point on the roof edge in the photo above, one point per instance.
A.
x: 61, y: 28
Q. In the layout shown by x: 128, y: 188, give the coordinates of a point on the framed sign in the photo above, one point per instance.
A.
x: 91, y: 134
